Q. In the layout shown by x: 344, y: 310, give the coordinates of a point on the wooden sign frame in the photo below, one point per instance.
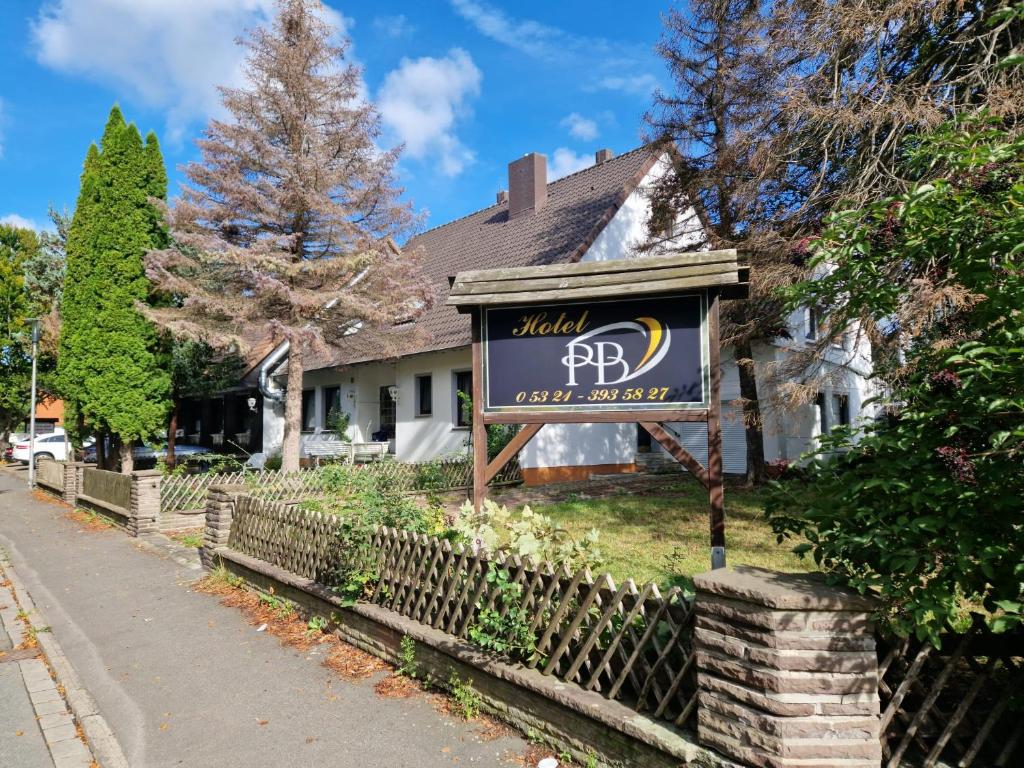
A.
x: 718, y: 273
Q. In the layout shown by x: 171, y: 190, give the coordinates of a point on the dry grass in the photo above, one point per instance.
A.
x: 397, y: 686
x: 660, y: 532
x: 89, y: 520
x: 284, y: 623
x: 45, y: 498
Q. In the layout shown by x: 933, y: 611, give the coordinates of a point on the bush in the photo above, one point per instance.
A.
x: 924, y: 506
x: 496, y: 529
x: 365, y: 501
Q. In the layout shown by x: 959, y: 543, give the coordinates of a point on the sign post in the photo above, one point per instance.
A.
x: 630, y: 341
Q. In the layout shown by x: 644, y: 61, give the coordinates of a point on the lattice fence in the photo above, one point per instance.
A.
x: 627, y: 643
x: 962, y: 706
x: 188, y: 492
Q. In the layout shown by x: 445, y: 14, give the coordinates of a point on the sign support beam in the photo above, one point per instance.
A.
x: 479, y: 428
x: 716, y: 490
x: 515, y: 445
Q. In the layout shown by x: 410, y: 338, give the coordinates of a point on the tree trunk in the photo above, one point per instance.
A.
x: 127, y: 460
x: 751, y: 414
x: 172, y: 433
x: 290, y: 446
x: 101, y: 450
x: 4, y: 442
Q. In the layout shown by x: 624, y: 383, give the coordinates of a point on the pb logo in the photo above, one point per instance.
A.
x: 609, y: 358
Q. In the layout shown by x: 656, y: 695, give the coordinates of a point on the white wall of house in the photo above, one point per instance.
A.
x: 421, y: 437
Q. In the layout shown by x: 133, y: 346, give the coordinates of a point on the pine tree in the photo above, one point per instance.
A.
x: 288, y: 221
x: 723, y: 116
x: 121, y: 387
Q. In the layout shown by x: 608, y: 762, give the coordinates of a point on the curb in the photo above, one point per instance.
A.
x: 104, y: 745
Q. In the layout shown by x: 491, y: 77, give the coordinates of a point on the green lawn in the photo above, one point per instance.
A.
x: 661, y: 535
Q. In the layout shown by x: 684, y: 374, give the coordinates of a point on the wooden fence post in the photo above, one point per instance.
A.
x: 787, y: 670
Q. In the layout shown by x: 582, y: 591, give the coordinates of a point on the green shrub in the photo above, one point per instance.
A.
x: 923, y: 507
x: 526, y: 533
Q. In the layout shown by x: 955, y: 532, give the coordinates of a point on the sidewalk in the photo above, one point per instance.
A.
x: 185, y: 681
x: 21, y: 738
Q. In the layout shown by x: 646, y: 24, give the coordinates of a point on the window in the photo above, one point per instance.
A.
x: 841, y: 410
x: 813, y: 323
x: 308, y: 410
x: 424, y: 395
x: 819, y: 403
x: 387, y: 414
x: 332, y: 402
x: 464, y: 387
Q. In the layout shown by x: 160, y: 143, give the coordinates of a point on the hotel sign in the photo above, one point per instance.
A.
x: 617, y: 355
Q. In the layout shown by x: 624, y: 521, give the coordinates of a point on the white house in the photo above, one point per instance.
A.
x: 598, y: 213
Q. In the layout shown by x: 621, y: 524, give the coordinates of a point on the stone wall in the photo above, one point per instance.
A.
x: 144, y: 509
x: 787, y: 671
x: 220, y: 507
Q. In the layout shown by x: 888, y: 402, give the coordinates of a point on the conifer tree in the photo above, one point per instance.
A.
x: 14, y: 308
x: 110, y: 347
x: 287, y: 223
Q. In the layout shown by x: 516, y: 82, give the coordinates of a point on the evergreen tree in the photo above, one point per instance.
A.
x: 14, y: 308
x: 76, y: 300
x: 723, y: 115
x: 120, y: 386
x: 287, y: 222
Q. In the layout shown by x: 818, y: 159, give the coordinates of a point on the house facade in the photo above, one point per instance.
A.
x: 596, y: 214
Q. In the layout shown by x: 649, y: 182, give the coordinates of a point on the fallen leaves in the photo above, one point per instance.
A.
x: 396, y: 687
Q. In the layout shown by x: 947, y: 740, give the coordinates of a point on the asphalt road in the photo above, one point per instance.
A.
x: 184, y: 681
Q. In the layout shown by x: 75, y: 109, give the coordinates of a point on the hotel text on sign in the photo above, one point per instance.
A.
x: 644, y: 354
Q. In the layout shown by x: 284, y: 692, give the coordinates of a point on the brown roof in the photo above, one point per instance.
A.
x: 578, y: 207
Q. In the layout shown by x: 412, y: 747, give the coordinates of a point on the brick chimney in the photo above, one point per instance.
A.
x: 527, y: 184
x: 502, y: 196
x: 603, y: 156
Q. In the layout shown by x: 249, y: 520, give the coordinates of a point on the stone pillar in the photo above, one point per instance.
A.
x: 144, y: 510
x: 787, y: 670
x: 71, y: 475
x: 220, y: 508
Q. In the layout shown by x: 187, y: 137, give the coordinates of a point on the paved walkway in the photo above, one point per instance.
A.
x: 21, y: 739
x: 184, y: 681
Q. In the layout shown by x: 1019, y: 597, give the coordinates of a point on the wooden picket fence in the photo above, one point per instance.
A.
x: 629, y: 644
x: 188, y: 492
x: 962, y: 706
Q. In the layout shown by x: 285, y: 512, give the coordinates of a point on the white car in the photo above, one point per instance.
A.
x: 47, y: 447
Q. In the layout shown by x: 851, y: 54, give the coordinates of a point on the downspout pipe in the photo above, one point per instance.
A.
x: 270, y: 389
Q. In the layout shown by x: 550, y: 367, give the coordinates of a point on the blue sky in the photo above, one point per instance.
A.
x: 467, y: 85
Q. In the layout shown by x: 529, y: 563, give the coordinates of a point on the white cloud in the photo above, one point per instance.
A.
x: 564, y: 161
x: 639, y: 85
x: 170, y: 55
x: 530, y: 37
x: 580, y: 127
x: 422, y: 101
x: 393, y: 26
x: 595, y: 62
x: 14, y: 220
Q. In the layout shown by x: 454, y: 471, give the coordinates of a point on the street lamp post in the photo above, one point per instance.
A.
x: 32, y: 415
